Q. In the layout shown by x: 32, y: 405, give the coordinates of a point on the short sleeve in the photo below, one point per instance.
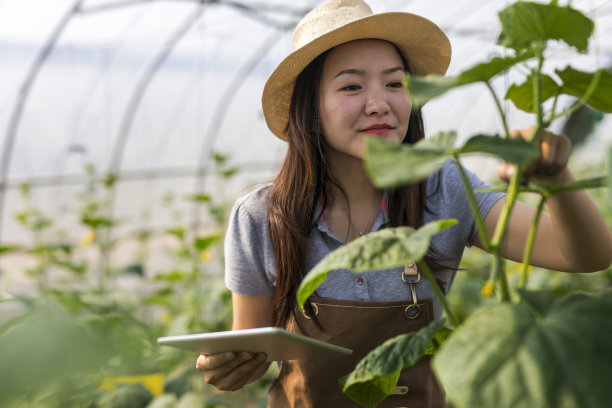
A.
x: 248, y: 269
x: 485, y: 200
x: 449, y: 199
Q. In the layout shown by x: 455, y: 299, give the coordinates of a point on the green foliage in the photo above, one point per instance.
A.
x: 73, y: 334
x: 525, y: 348
x: 546, y: 351
x: 387, y: 162
x: 377, y: 373
x: 387, y: 248
x: 595, y: 87
x: 522, y: 95
x: 126, y: 396
x: 525, y: 24
x: 422, y: 89
x: 391, y: 165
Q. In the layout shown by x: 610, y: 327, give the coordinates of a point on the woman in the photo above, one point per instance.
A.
x: 343, y: 83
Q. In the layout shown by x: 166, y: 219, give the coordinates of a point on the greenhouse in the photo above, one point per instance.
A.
x: 129, y: 128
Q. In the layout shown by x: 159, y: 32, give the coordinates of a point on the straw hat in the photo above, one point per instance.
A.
x: 424, y: 45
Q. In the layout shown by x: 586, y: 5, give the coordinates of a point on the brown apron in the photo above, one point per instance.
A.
x: 361, y: 327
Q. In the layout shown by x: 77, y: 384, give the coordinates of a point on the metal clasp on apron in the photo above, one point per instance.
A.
x: 411, y: 276
x: 315, y: 309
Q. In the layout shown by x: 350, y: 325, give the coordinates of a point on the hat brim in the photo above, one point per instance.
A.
x: 424, y: 45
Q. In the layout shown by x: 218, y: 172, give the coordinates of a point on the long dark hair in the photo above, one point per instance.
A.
x: 304, y: 180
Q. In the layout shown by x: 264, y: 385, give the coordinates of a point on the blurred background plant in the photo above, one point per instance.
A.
x: 86, y: 336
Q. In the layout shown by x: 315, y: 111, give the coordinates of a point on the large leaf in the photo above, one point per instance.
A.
x: 576, y: 83
x: 546, y: 352
x: 522, y: 95
x: 391, y: 165
x: 525, y: 23
x: 422, y: 89
x: 511, y: 150
x: 376, y: 375
x: 384, y: 249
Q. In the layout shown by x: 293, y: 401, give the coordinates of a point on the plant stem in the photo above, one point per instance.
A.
x: 537, y: 93
x: 499, y: 272
x: 582, y: 101
x: 500, y: 231
x: 439, y: 294
x: 473, y: 205
x: 499, y: 108
x: 530, y: 242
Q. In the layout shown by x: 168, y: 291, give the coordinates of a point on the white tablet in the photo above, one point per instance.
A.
x: 279, y: 344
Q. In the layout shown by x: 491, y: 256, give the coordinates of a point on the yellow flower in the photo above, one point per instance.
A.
x: 166, y: 317
x: 205, y: 256
x: 487, y: 289
x: 88, y: 238
x: 152, y: 382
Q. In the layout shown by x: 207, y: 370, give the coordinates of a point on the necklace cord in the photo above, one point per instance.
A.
x: 348, y: 216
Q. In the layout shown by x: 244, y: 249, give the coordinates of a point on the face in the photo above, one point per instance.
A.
x: 362, y: 95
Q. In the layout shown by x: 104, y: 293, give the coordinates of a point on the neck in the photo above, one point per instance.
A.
x: 353, y: 205
x: 352, y: 177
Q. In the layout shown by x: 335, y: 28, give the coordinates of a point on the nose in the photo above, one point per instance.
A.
x: 376, y: 104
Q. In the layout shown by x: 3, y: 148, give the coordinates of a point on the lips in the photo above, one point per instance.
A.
x: 377, y: 129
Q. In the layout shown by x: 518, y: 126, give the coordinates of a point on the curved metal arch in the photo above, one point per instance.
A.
x: 24, y: 93
x: 143, y: 83
x: 220, y: 113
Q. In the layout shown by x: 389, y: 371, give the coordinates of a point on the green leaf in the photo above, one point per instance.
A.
x: 554, y: 353
x: 97, y: 222
x: 558, y: 188
x: 126, y: 396
x: 231, y: 172
x: 422, y: 89
x: 172, y: 276
x: 77, y: 268
x: 522, y: 95
x: 178, y: 232
x: 525, y: 23
x: 220, y: 158
x: 376, y: 375
x: 201, y: 243
x: 391, y: 165
x: 110, y: 179
x: 511, y: 150
x: 438, y: 340
x: 577, y: 83
x: 200, y: 198
x: 384, y: 249
x: 7, y: 249
x: 134, y: 269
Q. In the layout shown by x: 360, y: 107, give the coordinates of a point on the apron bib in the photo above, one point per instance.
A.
x: 361, y: 327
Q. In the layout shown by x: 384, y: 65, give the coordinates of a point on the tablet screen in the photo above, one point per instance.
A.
x: 279, y: 344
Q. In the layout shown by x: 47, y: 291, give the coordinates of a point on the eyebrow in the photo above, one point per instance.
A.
x: 362, y: 73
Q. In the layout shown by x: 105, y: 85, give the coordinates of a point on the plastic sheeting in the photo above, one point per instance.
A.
x: 149, y: 89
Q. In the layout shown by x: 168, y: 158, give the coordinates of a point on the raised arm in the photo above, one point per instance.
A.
x: 572, y: 236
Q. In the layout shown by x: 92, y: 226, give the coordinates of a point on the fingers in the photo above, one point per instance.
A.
x: 229, y: 371
x: 555, y: 151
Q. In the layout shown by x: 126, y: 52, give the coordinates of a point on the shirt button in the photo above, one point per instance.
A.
x: 360, y: 281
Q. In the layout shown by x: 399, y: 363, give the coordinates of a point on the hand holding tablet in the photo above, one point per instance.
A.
x: 277, y: 343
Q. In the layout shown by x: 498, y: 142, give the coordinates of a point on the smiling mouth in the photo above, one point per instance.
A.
x: 377, y: 129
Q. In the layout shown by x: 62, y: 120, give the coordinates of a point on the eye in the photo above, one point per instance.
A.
x: 396, y: 84
x: 351, y: 88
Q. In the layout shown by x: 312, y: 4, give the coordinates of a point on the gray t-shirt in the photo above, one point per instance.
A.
x: 250, y: 265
